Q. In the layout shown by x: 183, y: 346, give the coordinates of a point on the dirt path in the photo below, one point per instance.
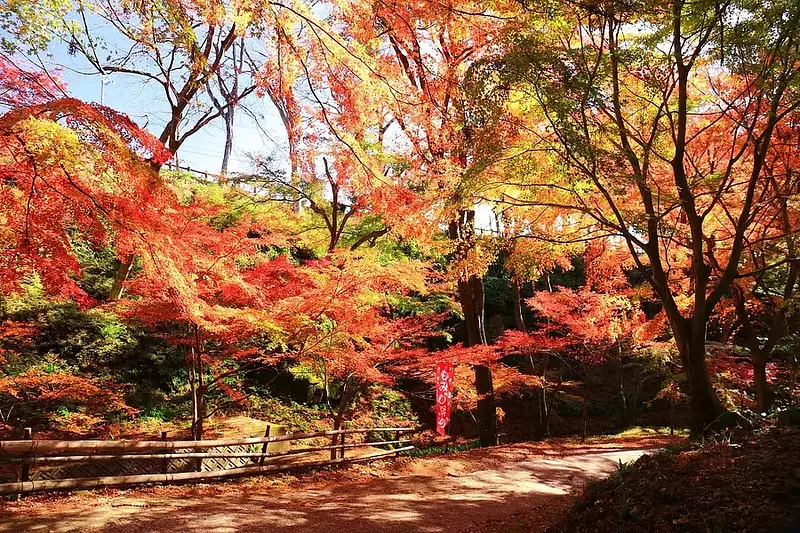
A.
x: 516, y: 486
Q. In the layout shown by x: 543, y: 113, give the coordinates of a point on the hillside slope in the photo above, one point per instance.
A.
x: 749, y: 485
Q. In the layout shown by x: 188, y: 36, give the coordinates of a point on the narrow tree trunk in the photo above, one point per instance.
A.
x: 487, y: 410
x: 671, y: 418
x: 197, y: 392
x: 551, y: 401
x: 763, y: 392
x: 540, y: 402
x: 544, y: 409
x: 201, y: 403
x: 471, y: 297
x: 538, y: 429
x: 294, y: 176
x: 633, y: 402
x: 337, y: 424
x: 585, y: 420
x: 623, y: 398
x: 197, y: 385
x: 190, y: 368
x: 487, y: 415
x: 226, y: 152
x: 344, y: 399
x: 759, y: 353
x: 123, y: 271
x: 517, y: 299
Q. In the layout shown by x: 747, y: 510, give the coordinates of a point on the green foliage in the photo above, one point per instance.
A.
x: 418, y: 304
x: 427, y: 451
x: 384, y: 407
x: 98, y: 268
x: 787, y: 348
x: 572, y: 406
x: 679, y: 447
x: 296, y: 417
x: 389, y: 404
x: 27, y: 303
x: 86, y: 340
x: 567, y: 406
x: 599, y: 407
x: 573, y: 278
x: 497, y: 294
x: 160, y: 413
x: 309, y: 374
x: 622, y: 470
x: 30, y: 26
x: 91, y: 345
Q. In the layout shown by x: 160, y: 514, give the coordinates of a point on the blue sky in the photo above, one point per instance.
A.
x: 147, y: 107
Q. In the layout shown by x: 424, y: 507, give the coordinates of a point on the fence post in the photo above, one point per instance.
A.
x: 398, y: 435
x: 26, y: 461
x: 264, y: 447
x: 165, y: 462
x: 341, y: 441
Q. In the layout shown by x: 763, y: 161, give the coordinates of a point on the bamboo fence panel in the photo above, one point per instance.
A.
x: 31, y: 465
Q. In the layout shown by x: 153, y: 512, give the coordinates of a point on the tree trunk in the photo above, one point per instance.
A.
x: 623, y: 398
x: 471, y: 293
x: 338, y: 418
x: 759, y: 353
x: 201, y: 403
x: 487, y: 415
x: 337, y: 424
x: 544, y: 407
x: 190, y: 369
x: 763, y: 392
x: 197, y: 386
x: 517, y: 299
x: 585, y: 419
x: 123, y: 271
x: 551, y: 400
x: 540, y: 417
x: 703, y: 402
x: 297, y: 205
x: 633, y: 402
x: 471, y: 297
x: 226, y: 153
x: 671, y: 418
x: 196, y: 390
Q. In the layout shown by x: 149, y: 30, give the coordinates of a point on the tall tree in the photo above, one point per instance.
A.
x: 765, y: 291
x: 232, y: 83
x: 424, y: 52
x: 624, y: 118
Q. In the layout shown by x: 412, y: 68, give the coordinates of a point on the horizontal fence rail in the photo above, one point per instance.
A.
x: 33, y: 446
x: 178, y: 461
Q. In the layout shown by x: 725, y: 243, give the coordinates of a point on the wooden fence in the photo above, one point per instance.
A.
x: 79, y: 462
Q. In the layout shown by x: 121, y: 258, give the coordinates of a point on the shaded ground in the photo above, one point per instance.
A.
x: 751, y: 484
x: 468, y: 492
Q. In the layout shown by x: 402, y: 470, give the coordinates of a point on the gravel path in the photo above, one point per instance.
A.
x: 435, y: 496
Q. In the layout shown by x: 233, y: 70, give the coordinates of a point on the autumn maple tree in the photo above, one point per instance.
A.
x: 680, y: 177
x: 647, y: 151
x: 426, y: 49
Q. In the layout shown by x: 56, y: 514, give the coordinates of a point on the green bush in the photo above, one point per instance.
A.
x: 567, y: 406
x: 605, y: 407
x: 390, y: 405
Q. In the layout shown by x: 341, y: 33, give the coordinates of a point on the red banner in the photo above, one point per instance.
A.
x: 444, y: 390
